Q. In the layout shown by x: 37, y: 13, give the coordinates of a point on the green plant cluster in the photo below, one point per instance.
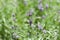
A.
x: 29, y: 19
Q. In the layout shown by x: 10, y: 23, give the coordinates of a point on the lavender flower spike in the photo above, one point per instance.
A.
x: 30, y: 12
x: 40, y: 7
x: 47, y: 5
x: 44, y: 31
x: 30, y: 22
x: 40, y: 26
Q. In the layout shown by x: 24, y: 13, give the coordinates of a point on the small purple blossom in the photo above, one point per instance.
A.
x: 30, y: 12
x: 44, y: 31
x: 47, y: 5
x: 14, y: 19
x: 13, y: 14
x: 13, y: 27
x: 40, y: 26
x: 43, y: 16
x: 40, y: 7
x: 30, y: 22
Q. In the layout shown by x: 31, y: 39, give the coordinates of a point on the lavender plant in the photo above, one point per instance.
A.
x: 29, y: 20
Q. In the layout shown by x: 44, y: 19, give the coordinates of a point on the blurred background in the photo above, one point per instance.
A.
x: 29, y: 19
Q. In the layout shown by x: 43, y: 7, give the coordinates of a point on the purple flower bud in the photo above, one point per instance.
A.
x: 14, y: 19
x: 33, y: 26
x: 43, y: 17
x: 30, y: 22
x: 30, y: 12
x: 40, y: 27
x: 40, y: 7
x: 13, y: 27
x: 44, y: 31
x: 47, y: 5
x: 13, y: 14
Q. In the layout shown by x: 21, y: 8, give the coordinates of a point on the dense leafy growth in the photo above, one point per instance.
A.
x: 29, y: 19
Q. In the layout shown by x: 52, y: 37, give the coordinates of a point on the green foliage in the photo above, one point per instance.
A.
x: 29, y: 19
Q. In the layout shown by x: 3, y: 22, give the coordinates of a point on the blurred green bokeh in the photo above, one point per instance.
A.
x: 16, y: 24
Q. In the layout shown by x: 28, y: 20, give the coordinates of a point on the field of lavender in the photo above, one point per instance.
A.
x: 29, y: 19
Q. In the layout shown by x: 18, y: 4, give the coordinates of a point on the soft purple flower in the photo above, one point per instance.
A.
x: 47, y: 5
x: 13, y: 14
x: 40, y: 7
x: 43, y: 16
x: 44, y: 31
x: 13, y: 27
x: 30, y: 22
x: 30, y: 12
x: 40, y: 27
x: 14, y: 19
